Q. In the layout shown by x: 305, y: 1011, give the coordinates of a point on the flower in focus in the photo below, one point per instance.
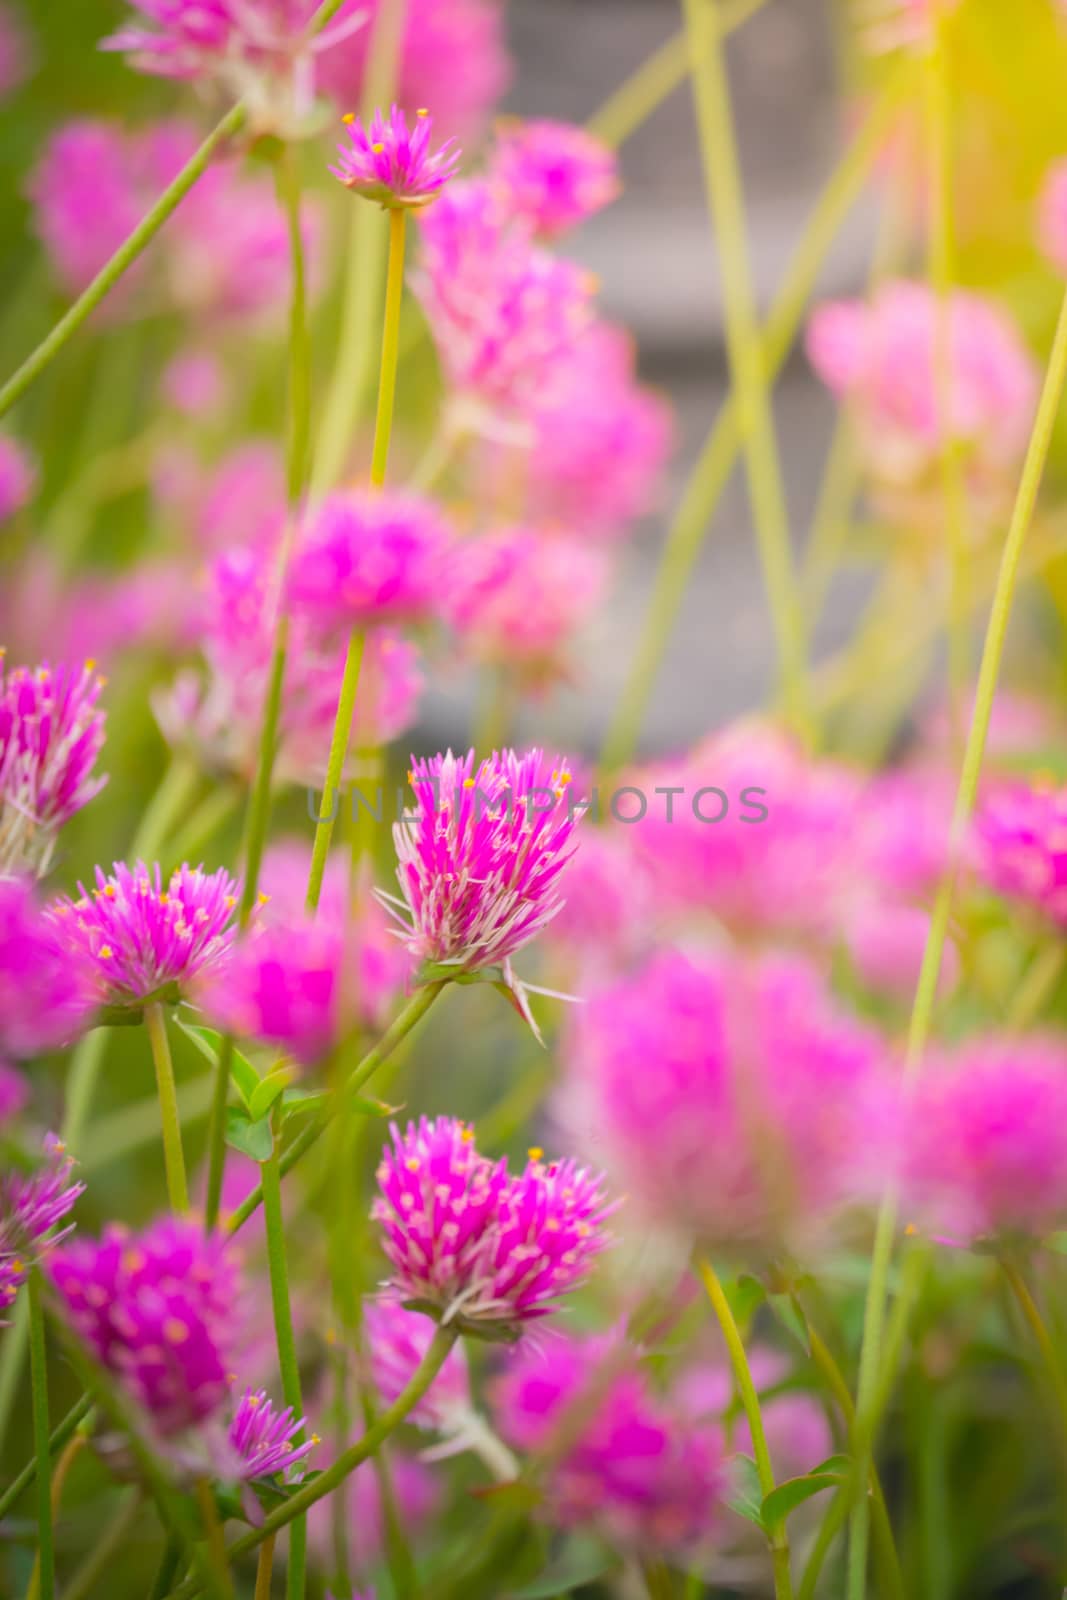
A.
x: 16, y: 53
x: 42, y: 1002
x: 475, y: 1246
x: 752, y: 1125
x: 17, y: 477
x: 262, y: 1439
x: 985, y: 1141
x: 370, y: 558
x: 387, y: 163
x: 51, y: 732
x: 135, y: 940
x: 1020, y: 845
x: 31, y: 1207
x: 396, y: 1342
x: 553, y: 173
x: 649, y: 1476
x: 158, y: 1309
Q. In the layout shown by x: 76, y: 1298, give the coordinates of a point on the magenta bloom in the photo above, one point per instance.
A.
x: 756, y: 1125
x: 51, y: 732
x: 640, y: 1469
x: 262, y: 1439
x: 396, y: 1341
x: 1020, y: 846
x: 17, y: 477
x: 481, y: 854
x: 136, y: 941
x: 14, y: 1094
x: 42, y: 1002
x: 985, y: 1141
x: 387, y: 163
x: 553, y: 173
x: 471, y: 1244
x: 31, y: 1207
x: 160, y: 1310
x: 369, y: 559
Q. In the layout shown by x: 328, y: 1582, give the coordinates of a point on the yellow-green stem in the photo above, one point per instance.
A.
x: 216, y: 1543
x: 71, y: 1451
x: 926, y: 992
x: 296, y: 1571
x: 173, y: 1156
x: 264, y: 1570
x: 41, y: 1445
x: 394, y: 294
x: 1054, y: 1372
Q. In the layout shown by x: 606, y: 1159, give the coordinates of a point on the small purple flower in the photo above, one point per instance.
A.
x: 17, y: 477
x: 42, y: 1001
x: 388, y: 164
x: 397, y: 1340
x: 159, y: 1310
x: 262, y: 1438
x: 553, y: 173
x: 473, y: 1245
x: 369, y: 559
x: 136, y: 941
x: 51, y: 733
x: 30, y: 1209
x: 1020, y: 845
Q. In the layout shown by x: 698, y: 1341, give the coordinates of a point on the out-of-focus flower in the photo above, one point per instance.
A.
x: 42, y: 1001
x: 907, y: 24
x: 608, y: 917
x: 472, y: 1244
x: 985, y: 1141
x: 1052, y: 216
x: 518, y: 597
x: 418, y: 1492
x: 262, y: 1439
x: 51, y: 732
x: 396, y: 1342
x: 264, y: 54
x: 368, y: 559
x: 754, y: 1127
x: 502, y: 310
x: 1020, y: 845
x: 160, y: 1310
x: 553, y: 173
x: 16, y: 52
x: 643, y: 1471
x: 882, y: 357
x: 798, y: 1432
x: 31, y: 1207
x: 14, y: 1085
x: 194, y: 383
x: 387, y: 163
x: 135, y: 940
x: 17, y: 477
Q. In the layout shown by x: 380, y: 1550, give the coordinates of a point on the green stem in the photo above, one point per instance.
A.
x: 61, y: 1433
x: 926, y: 992
x: 416, y: 1008
x: 711, y: 92
x: 264, y: 1570
x: 214, y: 810
x: 716, y: 461
x: 394, y: 294
x: 124, y: 257
x: 168, y: 1568
x: 832, y: 1525
x: 41, y: 1437
x: 1035, y: 987
x: 173, y: 1156
x: 296, y: 1573
x: 777, y: 1536
x: 335, y: 761
x: 299, y: 1503
x: 166, y: 805
x: 1042, y: 1338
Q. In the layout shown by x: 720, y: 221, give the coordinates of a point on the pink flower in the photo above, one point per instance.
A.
x: 136, y: 941
x: 471, y: 1244
x: 396, y: 1342
x: 882, y: 358
x: 368, y: 559
x: 985, y: 1141
x: 1020, y: 845
x: 754, y: 1127
x: 518, y: 597
x: 553, y: 173
x: 16, y: 52
x: 608, y: 916
x: 42, y: 1002
x: 51, y: 733
x: 387, y: 163
x: 194, y: 383
x: 262, y: 1439
x: 418, y: 1491
x: 647, y: 1475
x: 14, y: 1085
x: 1052, y: 216
x: 18, y: 477
x: 158, y: 1310
x: 31, y: 1207
x: 893, y: 24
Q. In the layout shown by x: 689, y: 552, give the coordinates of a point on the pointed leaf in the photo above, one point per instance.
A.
x: 785, y: 1497
x: 208, y: 1041
x: 747, y: 1500
x: 267, y: 1091
x: 251, y: 1138
x: 791, y: 1319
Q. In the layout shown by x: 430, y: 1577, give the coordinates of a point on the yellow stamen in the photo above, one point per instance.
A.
x: 535, y: 1152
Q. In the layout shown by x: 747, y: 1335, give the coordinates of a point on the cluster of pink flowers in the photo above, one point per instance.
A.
x: 1020, y: 845
x: 51, y: 733
x: 31, y: 1208
x: 17, y: 478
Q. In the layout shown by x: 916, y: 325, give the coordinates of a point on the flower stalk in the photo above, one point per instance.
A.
x: 173, y: 1155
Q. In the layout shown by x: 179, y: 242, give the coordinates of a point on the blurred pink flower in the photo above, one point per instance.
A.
x: 194, y: 382
x: 18, y: 476
x: 366, y: 559
x: 893, y: 24
x: 31, y: 1208
x: 395, y: 1342
x: 392, y: 165
x: 42, y: 1001
x: 1020, y: 845
x: 608, y: 916
x: 1052, y: 216
x: 418, y: 1490
x: 554, y: 174
x: 14, y: 1085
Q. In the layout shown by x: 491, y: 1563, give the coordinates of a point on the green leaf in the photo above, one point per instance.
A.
x: 267, y: 1091
x: 745, y: 1296
x: 209, y: 1042
x: 748, y: 1499
x: 251, y: 1138
x: 833, y: 1467
x: 791, y: 1319
x: 785, y: 1497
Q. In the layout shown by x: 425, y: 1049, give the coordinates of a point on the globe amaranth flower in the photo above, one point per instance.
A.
x: 984, y: 1141
x: 136, y: 940
x: 31, y: 1207
x: 474, y: 1245
x: 43, y: 1003
x: 51, y: 733
x: 17, y: 477
x: 388, y: 163
x: 159, y: 1310
x: 553, y: 173
x: 368, y: 559
x: 642, y: 1470
x: 396, y: 1340
x: 729, y: 1096
x: 1020, y: 845
x: 264, y: 1441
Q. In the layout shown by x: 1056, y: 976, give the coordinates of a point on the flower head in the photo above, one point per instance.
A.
x: 158, y: 1310
x: 262, y: 1439
x: 1020, y: 845
x: 553, y: 173
x: 387, y: 163
x: 17, y: 477
x: 51, y: 732
x: 474, y: 1245
x: 31, y: 1207
x: 135, y: 940
x: 368, y: 559
x: 396, y: 1342
x: 42, y: 1002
